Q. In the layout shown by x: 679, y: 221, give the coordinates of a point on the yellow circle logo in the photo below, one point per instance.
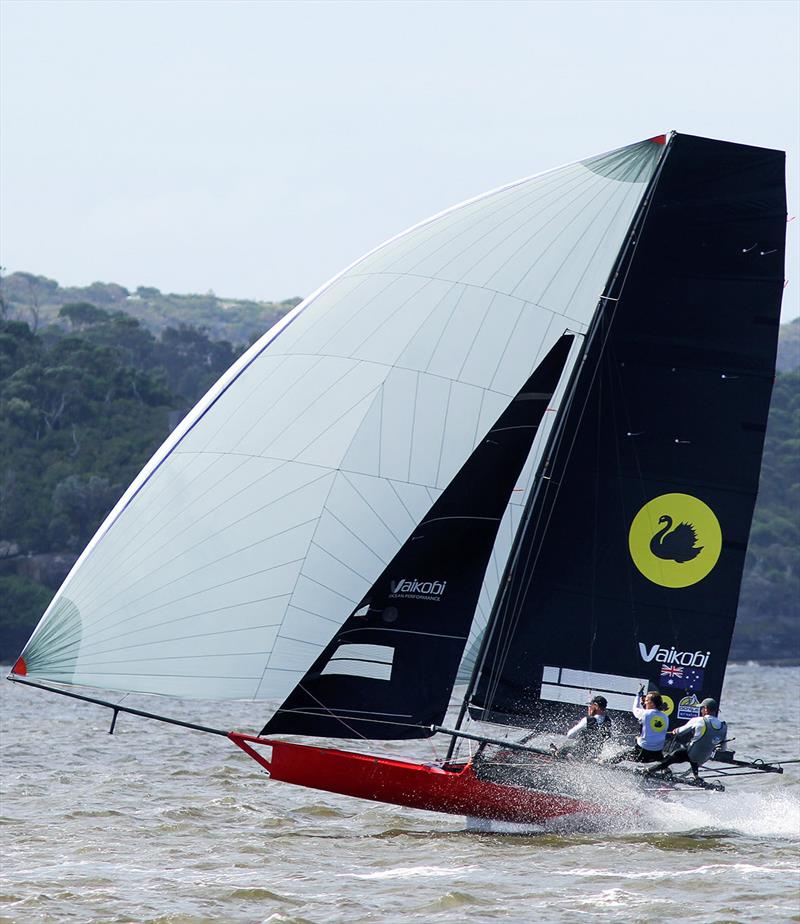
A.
x: 675, y: 540
x: 669, y: 705
x: 657, y: 723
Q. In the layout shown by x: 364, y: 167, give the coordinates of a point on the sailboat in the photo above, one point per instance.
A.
x: 506, y: 460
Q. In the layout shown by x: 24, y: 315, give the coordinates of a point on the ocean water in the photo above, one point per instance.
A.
x: 158, y: 824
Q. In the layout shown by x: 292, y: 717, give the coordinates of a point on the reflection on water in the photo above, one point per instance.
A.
x: 157, y: 824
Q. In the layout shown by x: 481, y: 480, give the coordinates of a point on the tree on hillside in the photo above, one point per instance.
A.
x: 83, y: 314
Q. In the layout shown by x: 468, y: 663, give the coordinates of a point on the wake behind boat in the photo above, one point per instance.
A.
x: 517, y: 446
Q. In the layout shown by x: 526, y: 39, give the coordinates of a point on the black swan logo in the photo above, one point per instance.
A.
x: 679, y: 545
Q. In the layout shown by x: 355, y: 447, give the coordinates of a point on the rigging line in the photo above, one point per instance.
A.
x: 496, y: 608
x: 618, y: 279
x: 534, y: 518
x: 118, y: 708
x: 629, y: 248
x: 322, y: 705
x: 507, y: 625
x: 326, y: 713
x: 598, y: 445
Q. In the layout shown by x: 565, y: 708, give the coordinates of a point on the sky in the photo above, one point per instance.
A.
x: 257, y: 148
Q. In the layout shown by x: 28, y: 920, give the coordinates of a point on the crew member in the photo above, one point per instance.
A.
x: 698, y: 739
x: 649, y: 710
x: 588, y: 736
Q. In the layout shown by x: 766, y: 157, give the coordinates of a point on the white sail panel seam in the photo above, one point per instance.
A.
x: 587, y: 228
x: 195, y: 593
x: 624, y: 203
x: 502, y: 203
x: 267, y: 664
x: 214, y: 535
x: 94, y: 600
x: 330, y: 554
x: 575, y: 192
x: 181, y: 638
x: 556, y: 237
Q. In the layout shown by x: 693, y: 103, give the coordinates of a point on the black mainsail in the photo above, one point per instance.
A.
x: 628, y: 567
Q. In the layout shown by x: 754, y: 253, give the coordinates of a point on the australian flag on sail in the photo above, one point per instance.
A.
x: 681, y: 678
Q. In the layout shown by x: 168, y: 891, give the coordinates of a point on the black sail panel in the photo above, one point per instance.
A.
x: 629, y: 566
x: 390, y: 669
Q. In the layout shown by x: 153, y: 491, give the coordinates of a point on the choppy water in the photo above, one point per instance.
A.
x: 156, y: 824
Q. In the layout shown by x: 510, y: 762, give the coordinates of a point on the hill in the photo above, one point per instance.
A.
x: 86, y: 400
x: 37, y: 300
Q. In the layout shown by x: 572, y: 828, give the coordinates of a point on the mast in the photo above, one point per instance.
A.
x: 630, y: 567
x: 543, y: 481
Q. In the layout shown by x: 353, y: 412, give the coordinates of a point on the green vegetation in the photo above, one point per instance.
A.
x: 768, y: 624
x: 39, y: 300
x: 87, y: 397
x: 81, y: 411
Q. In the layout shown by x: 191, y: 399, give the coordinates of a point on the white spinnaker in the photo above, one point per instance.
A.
x: 258, y: 526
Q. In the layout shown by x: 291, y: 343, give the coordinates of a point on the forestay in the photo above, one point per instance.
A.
x: 247, y: 540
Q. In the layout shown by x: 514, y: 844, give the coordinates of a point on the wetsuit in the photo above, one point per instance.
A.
x: 699, y: 738
x: 588, y: 736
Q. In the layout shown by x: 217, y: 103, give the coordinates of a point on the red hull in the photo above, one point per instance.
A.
x: 422, y: 786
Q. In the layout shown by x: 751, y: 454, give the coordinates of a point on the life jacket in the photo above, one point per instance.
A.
x: 655, y: 725
x: 714, y: 731
x: 595, y: 729
x: 594, y: 736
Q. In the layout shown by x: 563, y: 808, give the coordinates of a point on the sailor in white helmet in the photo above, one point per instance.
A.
x: 698, y: 739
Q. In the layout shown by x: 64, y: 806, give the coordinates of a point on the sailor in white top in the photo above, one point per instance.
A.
x: 649, y: 710
x: 699, y: 738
